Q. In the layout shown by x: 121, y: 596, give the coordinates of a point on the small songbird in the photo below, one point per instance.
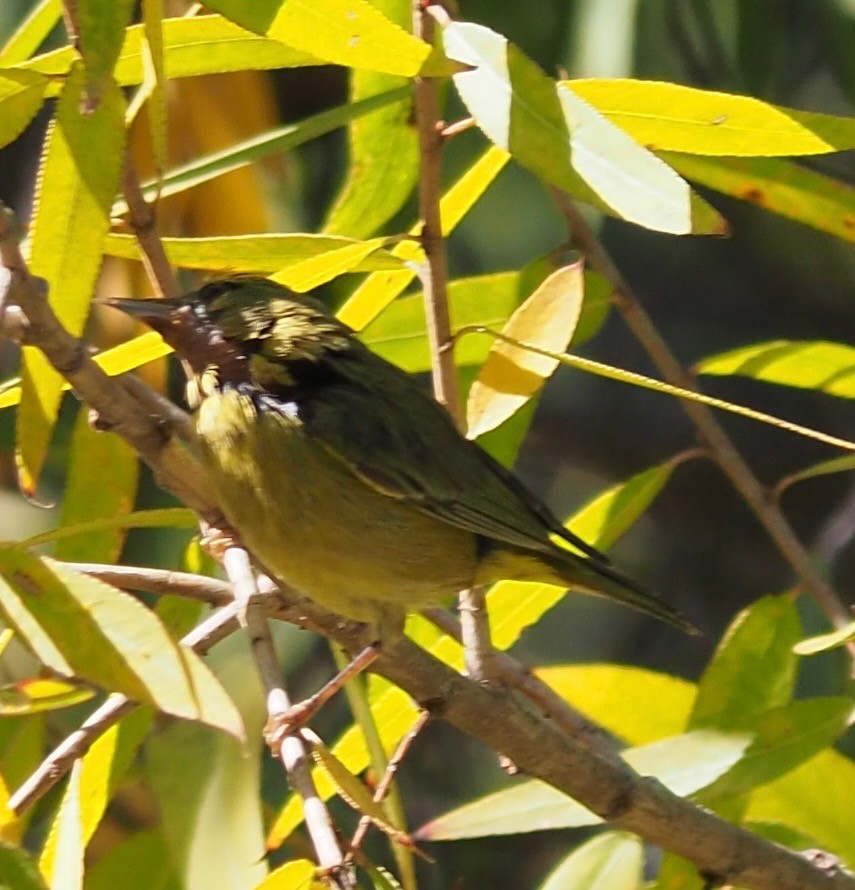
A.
x: 346, y: 479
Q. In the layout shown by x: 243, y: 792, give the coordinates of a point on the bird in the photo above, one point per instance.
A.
x: 343, y: 476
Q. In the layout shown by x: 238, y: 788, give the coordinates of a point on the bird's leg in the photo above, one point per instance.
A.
x: 282, y: 725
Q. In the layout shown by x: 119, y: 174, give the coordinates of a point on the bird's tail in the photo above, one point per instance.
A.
x: 566, y: 569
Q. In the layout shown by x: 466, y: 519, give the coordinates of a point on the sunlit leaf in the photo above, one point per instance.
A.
x: 777, y: 185
x: 31, y: 33
x: 344, y: 32
x: 807, y: 364
x: 511, y: 376
x: 383, y: 150
x: 261, y: 253
x: 794, y: 800
x: 101, y: 30
x: 753, y: 668
x: 378, y: 290
x: 78, y: 180
x: 79, y: 626
x: 638, y: 705
x: 824, y: 642
x: 101, y: 483
x: 299, y: 874
x: 564, y: 140
x: 610, y: 861
x: 315, y: 271
x: 21, y: 94
x: 34, y: 696
x: 674, y: 117
x: 684, y: 764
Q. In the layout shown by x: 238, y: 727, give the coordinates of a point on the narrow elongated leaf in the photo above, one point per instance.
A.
x: 92, y: 782
x: 81, y: 627
x: 824, y: 642
x: 639, y: 705
x: 166, y: 517
x: 753, y: 668
x: 792, y: 800
x: 31, y: 32
x: 565, y: 141
x: 824, y: 468
x: 37, y: 695
x: 514, y: 606
x: 784, y: 738
x: 343, y: 32
x: 154, y: 82
x: 610, y: 861
x: 258, y: 253
x: 673, y: 117
x: 383, y: 149
x: 315, y: 271
x: 684, y: 764
x: 247, y: 151
x: 77, y: 183
x: 101, y: 482
x: 511, y: 376
x: 206, y: 44
x: 101, y: 32
x: 806, y: 364
x: 777, y: 185
x: 299, y: 874
x: 378, y: 291
x: 21, y: 95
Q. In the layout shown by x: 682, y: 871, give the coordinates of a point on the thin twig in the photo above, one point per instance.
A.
x: 473, y: 612
x: 59, y: 761
x: 714, y: 437
x: 290, y: 751
x: 385, y: 783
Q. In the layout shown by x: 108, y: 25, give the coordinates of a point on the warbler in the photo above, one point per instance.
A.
x: 343, y: 477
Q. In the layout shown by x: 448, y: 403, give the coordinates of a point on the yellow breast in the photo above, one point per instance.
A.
x: 319, y: 527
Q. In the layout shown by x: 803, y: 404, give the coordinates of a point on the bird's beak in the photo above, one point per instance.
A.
x: 149, y: 311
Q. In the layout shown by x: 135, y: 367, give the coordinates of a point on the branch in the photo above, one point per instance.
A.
x: 714, y: 437
x: 472, y: 607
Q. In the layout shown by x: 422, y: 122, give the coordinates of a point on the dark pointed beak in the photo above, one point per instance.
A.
x: 149, y: 311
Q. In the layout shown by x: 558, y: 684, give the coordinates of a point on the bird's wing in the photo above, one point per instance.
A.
x: 398, y: 440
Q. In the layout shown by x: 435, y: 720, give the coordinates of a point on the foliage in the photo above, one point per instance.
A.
x: 742, y: 740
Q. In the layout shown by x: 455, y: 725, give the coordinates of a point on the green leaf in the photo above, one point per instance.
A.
x: 753, y: 668
x: 383, y: 149
x: 684, y: 764
x: 380, y: 289
x: 824, y: 642
x: 21, y: 95
x: 37, y: 695
x: 563, y: 140
x: 510, y: 376
x: 79, y: 626
x: 93, y: 781
x: 153, y: 87
x: 673, y: 117
x: 315, y: 271
x: 206, y: 44
x: 784, y: 738
x: 101, y: 31
x: 343, y: 32
x: 247, y: 151
x: 780, y: 186
x: 824, y: 468
x: 17, y: 870
x: 165, y: 517
x: 815, y: 798
x: 611, y: 861
x: 141, y: 862
x: 101, y: 483
x: 807, y: 364
x: 299, y: 874
x: 31, y: 33
x: 638, y: 705
x: 255, y: 253
x: 77, y: 182
x: 514, y: 606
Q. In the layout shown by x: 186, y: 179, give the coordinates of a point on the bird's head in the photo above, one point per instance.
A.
x: 246, y: 327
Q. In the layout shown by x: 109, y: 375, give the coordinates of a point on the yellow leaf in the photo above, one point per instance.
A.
x: 511, y: 375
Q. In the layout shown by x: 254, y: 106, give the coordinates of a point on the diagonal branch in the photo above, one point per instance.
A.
x: 714, y: 437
